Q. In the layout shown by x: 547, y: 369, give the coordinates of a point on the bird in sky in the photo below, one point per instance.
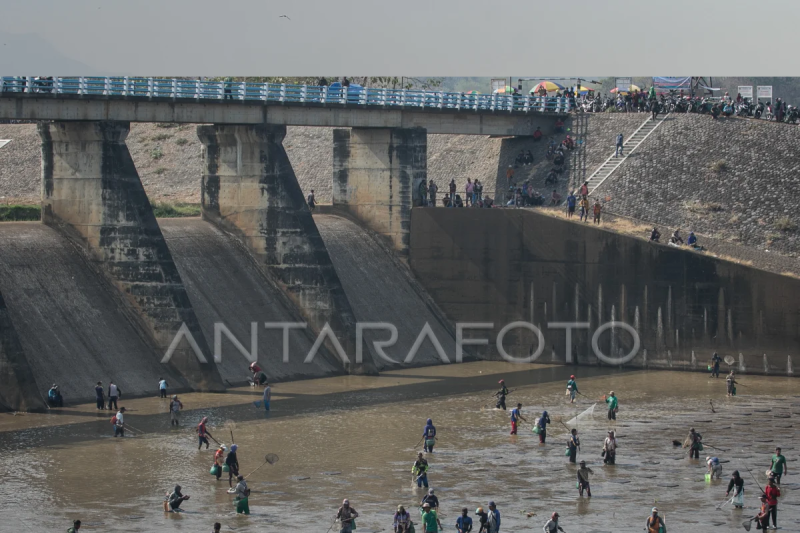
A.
x: 284, y: 17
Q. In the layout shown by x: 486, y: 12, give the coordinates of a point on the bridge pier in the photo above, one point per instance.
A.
x: 91, y: 192
x: 250, y: 189
x: 375, y: 174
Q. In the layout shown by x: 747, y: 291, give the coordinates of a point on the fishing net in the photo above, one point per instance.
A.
x: 584, y: 415
x: 729, y: 360
x: 271, y: 458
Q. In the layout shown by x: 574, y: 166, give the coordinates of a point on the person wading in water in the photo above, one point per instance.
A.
x: 233, y: 464
x: 654, y: 523
x: 516, y: 416
x: 429, y: 436
x: 610, y: 449
x: 583, y: 479
x: 695, y: 443
x: 203, y: 433
x: 730, y: 381
x: 737, y: 485
x: 613, y: 404
x: 541, y: 423
x: 572, y: 445
x: 572, y: 389
x: 420, y: 471
x: 501, y: 396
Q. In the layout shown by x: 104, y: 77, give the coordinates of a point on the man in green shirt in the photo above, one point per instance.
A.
x: 778, y: 467
x: 612, y: 406
x: 430, y: 521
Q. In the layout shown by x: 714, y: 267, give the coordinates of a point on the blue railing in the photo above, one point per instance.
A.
x: 277, y: 93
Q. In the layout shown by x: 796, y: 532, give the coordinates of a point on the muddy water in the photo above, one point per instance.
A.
x: 354, y: 437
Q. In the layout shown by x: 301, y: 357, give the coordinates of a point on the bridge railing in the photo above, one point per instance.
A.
x: 278, y: 93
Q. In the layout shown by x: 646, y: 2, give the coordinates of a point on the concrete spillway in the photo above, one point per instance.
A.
x: 381, y: 290
x: 73, y: 325
x: 225, y: 285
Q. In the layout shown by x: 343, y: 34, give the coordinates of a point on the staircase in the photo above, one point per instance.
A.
x: 631, y: 143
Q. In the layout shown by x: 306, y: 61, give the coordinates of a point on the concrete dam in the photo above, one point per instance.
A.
x: 101, y: 290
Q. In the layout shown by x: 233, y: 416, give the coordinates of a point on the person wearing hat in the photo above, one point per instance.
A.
x: 420, y: 471
x: 494, y: 519
x: 219, y: 460
x: 654, y: 523
x: 203, y: 433
x: 762, y: 518
x: 429, y: 436
x: 572, y: 389
x: 730, y: 382
x: 610, y: 449
x: 430, y: 520
x: 737, y: 485
x: 483, y: 519
x: 346, y: 516
x: 175, y: 407
x: 778, y: 467
x: 612, y: 402
x: 464, y: 522
x: 583, y: 479
x: 119, y: 423
x: 431, y: 499
x: 402, y: 520
x: 233, y: 464
x: 176, y: 498
x: 501, y: 395
x: 551, y: 526
x: 54, y: 397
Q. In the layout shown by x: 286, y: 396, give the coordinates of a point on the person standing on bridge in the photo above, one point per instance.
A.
x: 423, y: 193
x: 312, y: 202
x: 619, y: 146
x: 432, y: 190
x: 598, y: 208
x: 510, y: 176
x: 228, y: 83
x: 469, y: 192
x: 452, y: 192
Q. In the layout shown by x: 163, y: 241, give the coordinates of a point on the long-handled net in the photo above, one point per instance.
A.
x: 231, y: 425
x: 582, y: 416
x: 270, y: 458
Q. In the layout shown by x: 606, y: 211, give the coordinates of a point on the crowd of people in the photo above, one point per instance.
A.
x: 486, y: 520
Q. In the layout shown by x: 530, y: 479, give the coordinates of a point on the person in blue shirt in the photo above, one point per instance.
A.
x: 516, y: 415
x: 572, y: 201
x: 572, y: 445
x: 542, y: 423
x: 464, y: 522
x: 429, y: 436
x: 715, y: 361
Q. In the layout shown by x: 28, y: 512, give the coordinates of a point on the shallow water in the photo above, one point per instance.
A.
x: 354, y: 437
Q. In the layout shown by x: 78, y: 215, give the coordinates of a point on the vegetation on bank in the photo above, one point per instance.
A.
x: 20, y: 213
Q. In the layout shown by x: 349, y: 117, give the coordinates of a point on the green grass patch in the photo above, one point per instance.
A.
x: 160, y: 137
x: 14, y: 213
x: 181, y: 141
x: 176, y: 210
x: 156, y: 153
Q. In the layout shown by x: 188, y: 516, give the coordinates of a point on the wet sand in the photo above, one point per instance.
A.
x: 354, y: 437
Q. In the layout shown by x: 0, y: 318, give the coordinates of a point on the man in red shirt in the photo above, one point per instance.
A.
x: 772, y: 493
x: 537, y: 135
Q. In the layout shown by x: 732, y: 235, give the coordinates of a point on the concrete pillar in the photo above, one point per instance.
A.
x: 376, y: 175
x: 92, y: 193
x: 17, y: 386
x: 250, y: 189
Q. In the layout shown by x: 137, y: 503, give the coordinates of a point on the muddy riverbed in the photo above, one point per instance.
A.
x: 353, y: 437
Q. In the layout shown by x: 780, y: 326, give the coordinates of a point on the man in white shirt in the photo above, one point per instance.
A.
x: 162, y: 386
x: 119, y: 425
x: 113, y: 395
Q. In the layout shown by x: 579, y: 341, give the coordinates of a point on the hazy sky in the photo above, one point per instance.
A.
x: 402, y: 37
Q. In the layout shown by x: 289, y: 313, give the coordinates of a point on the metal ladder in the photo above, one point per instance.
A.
x: 613, y: 163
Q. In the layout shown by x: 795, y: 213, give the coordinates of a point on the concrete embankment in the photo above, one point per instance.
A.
x: 683, y: 305
x: 226, y: 286
x: 381, y: 289
x: 73, y: 325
